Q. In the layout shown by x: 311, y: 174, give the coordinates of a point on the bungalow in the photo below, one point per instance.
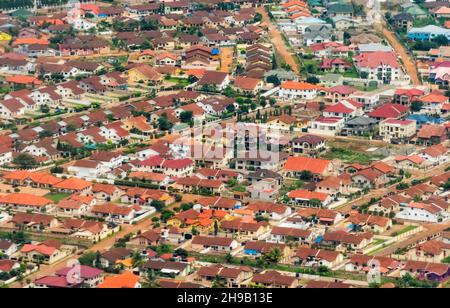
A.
x: 47, y: 252
x: 214, y: 244
x: 73, y: 185
x: 114, y: 213
x: 432, y: 134
x: 317, y: 257
x: 233, y: 277
x: 344, y: 109
x: 343, y: 241
x: 273, y: 279
x: 296, y: 166
x: 306, y: 198
x: 126, y: 280
x: 436, y: 272
x: 213, y: 80
x: 368, y: 223
x: 423, y: 212
x: 366, y: 264
x: 271, y: 210
x: 169, y: 268
x: 320, y: 216
x: 88, y: 277
x: 283, y: 235
x: 7, y: 248
x: 261, y: 248
x: 114, y: 256
x: 435, y: 155
x: 23, y: 202
x: 242, y: 230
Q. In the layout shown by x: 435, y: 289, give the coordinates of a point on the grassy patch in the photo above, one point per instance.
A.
x: 351, y: 157
x: 56, y: 197
x: 404, y: 230
x: 179, y: 81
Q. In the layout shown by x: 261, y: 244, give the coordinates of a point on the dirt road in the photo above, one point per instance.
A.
x: 408, y: 62
x: 277, y: 40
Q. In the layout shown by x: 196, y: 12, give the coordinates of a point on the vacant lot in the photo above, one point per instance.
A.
x: 351, y: 156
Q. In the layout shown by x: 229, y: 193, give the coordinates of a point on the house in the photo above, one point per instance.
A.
x: 430, y: 251
x: 340, y: 10
x: 272, y: 211
x: 379, y: 66
x: 113, y: 256
x: 247, y: 85
x: 343, y: 241
x: 214, y: 80
x: 87, y: 276
x: 335, y: 185
x: 177, y: 269
x: 319, y: 168
x: 306, y: 198
x: 407, y: 96
x: 293, y: 90
x: 144, y: 74
x: 366, y: 264
x: 23, y: 202
x: 315, y: 34
x: 233, y: 277
x: 242, y: 230
x: 424, y: 212
x: 327, y: 126
x: 311, y: 145
x: 261, y: 248
x: 283, y: 235
x: 344, y: 109
x: 317, y: 257
x: 431, y: 134
x: 435, y: 154
x: 427, y: 33
x: 7, y: 248
x: 368, y: 223
x: 318, y: 215
x: 264, y: 190
x: 273, y: 279
x: 73, y: 185
x: 389, y: 111
x: 359, y: 126
x: 214, y: 244
x: 126, y: 280
x: 35, y: 222
x: 401, y: 130
x: 114, y: 213
x: 145, y: 239
x: 410, y: 162
x: 433, y: 102
x: 436, y: 272
x: 47, y: 252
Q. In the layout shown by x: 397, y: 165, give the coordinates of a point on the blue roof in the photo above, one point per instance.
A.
x: 319, y: 239
x: 421, y: 118
x: 215, y: 51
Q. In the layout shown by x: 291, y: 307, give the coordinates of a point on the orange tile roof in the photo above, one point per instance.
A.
x: 31, y: 41
x: 127, y: 280
x: 73, y: 184
x: 314, y: 165
x: 23, y: 79
x: 302, y: 86
x: 307, y: 195
x: 25, y: 199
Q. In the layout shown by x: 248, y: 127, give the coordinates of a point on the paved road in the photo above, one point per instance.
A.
x: 278, y: 42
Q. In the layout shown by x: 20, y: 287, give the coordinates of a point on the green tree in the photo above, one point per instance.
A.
x: 274, y: 255
x: 25, y: 161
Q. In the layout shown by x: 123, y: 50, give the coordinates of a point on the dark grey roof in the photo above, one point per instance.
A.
x: 264, y: 174
x: 361, y: 121
x: 403, y: 16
